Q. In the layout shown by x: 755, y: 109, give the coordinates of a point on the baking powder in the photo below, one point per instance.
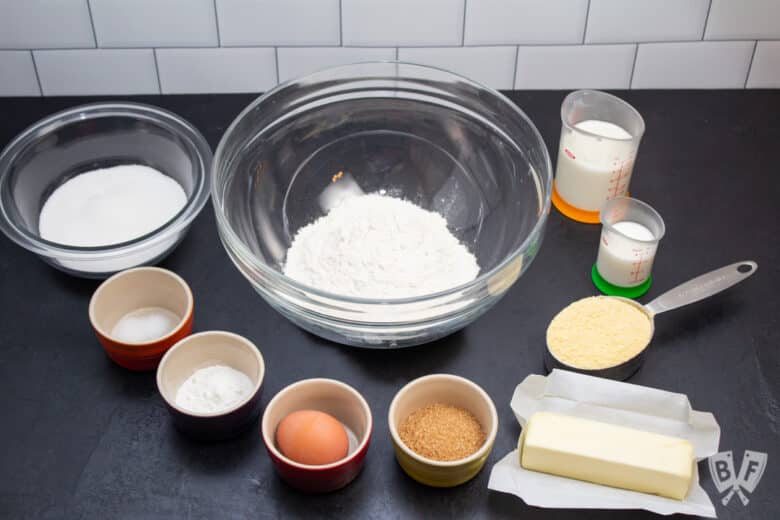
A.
x: 213, y: 389
x: 376, y: 246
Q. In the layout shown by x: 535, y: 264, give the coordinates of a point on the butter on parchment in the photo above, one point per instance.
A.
x: 607, y: 454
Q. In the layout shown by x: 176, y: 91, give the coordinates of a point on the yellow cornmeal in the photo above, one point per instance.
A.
x: 598, y: 332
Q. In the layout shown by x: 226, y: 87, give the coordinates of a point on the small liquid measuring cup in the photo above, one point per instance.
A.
x: 689, y: 292
x: 630, y: 233
x: 600, y: 136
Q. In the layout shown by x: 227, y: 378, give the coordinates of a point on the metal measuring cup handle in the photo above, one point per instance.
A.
x: 702, y: 287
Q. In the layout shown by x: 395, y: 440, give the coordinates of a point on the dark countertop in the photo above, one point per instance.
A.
x: 83, y: 438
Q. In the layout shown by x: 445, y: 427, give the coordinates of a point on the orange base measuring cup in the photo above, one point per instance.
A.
x: 574, y: 213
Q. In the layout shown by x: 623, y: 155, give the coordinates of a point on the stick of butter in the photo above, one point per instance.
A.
x: 607, y: 454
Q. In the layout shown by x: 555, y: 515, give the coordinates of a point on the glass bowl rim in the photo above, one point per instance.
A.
x: 233, y: 242
x: 175, y: 123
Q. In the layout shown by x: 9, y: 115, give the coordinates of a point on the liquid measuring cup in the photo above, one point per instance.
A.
x: 630, y: 233
x: 689, y: 292
x: 600, y: 136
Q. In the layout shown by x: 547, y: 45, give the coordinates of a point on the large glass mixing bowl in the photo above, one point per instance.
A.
x: 432, y: 137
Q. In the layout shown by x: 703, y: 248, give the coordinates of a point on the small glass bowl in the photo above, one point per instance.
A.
x: 88, y: 137
x: 422, y: 134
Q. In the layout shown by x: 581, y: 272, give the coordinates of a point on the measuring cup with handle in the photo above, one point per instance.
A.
x: 691, y: 291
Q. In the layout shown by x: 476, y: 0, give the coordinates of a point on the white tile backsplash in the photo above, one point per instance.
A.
x: 295, y: 62
x: 17, y: 74
x: 250, y: 45
x: 491, y: 66
x: 35, y: 24
x: 692, y: 65
x: 96, y: 71
x: 574, y: 67
x: 490, y: 22
x: 765, y: 72
x: 278, y: 22
x: 154, y: 23
x: 402, y: 22
x: 185, y: 71
x: 743, y: 20
x: 620, y: 21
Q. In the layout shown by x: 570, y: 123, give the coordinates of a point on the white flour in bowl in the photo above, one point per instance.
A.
x: 376, y: 246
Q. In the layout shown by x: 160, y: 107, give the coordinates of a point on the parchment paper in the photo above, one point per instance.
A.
x: 613, y: 402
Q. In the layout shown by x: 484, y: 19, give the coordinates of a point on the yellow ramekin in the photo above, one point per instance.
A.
x: 446, y: 389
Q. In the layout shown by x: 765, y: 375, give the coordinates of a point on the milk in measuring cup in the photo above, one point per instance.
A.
x: 623, y: 260
x: 592, y: 170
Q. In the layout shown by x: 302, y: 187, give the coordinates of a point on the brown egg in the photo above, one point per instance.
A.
x: 312, y: 437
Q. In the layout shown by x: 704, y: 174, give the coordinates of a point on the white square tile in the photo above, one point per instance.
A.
x: 491, y: 22
x: 295, y: 62
x: 765, y: 71
x: 278, y: 22
x: 491, y: 66
x: 154, y: 23
x: 97, y: 71
x: 17, y: 74
x: 692, y: 65
x: 402, y: 22
x: 35, y: 24
x: 743, y: 19
x: 618, y: 21
x: 574, y: 66
x: 196, y: 71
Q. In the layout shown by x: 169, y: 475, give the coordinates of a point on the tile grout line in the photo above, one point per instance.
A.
x: 750, y: 65
x: 706, y: 21
x: 92, y: 23
x: 341, y: 25
x: 514, y: 72
x: 201, y: 47
x: 216, y: 21
x: 633, y: 67
x: 37, y: 75
x: 396, y: 54
x: 587, y: 17
x: 463, y: 27
x: 276, y: 62
x: 157, y: 70
x: 552, y: 44
x: 313, y: 46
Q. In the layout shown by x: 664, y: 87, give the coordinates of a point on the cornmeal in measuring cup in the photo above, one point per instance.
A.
x: 598, y: 332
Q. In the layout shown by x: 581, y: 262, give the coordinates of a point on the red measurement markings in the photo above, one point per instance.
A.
x: 617, y: 186
x: 636, y: 266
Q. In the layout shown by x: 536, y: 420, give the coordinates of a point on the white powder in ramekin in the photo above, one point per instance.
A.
x: 213, y: 389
